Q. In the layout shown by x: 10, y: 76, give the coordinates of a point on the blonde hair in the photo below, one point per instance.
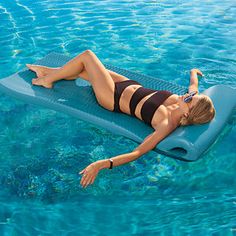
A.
x: 201, y: 113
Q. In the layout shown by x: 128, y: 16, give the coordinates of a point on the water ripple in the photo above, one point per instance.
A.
x: 164, y: 39
x: 26, y: 8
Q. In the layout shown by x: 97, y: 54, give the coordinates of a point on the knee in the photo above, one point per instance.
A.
x: 88, y: 53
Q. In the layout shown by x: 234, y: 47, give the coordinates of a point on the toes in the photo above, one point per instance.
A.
x: 29, y: 66
x: 38, y: 81
x: 34, y: 81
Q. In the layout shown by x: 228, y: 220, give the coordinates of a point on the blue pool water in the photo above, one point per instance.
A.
x: 42, y: 151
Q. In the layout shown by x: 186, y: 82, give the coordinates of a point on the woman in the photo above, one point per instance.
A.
x: 162, y: 110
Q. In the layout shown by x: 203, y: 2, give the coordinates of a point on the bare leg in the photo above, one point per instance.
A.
x: 71, y: 69
x: 42, y: 71
x: 88, y: 64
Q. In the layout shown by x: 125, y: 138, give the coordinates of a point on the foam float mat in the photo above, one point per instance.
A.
x: 77, y: 98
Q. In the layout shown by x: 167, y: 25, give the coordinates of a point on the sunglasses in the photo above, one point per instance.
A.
x: 190, y: 97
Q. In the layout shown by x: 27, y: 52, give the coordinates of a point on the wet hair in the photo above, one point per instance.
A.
x: 201, y: 113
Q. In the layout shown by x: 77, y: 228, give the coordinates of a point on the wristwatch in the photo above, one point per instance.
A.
x: 111, y: 163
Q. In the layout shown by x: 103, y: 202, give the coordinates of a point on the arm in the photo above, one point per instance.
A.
x: 148, y: 144
x: 194, y: 80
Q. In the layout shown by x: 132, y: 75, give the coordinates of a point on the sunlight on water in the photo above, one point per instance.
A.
x: 42, y: 151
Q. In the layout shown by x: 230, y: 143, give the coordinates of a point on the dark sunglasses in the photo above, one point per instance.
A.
x: 190, y: 97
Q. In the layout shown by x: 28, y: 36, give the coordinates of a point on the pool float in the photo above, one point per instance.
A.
x: 76, y: 98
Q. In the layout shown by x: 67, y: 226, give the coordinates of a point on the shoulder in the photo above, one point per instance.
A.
x: 163, y: 118
x: 165, y: 127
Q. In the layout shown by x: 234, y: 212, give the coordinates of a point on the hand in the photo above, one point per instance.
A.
x: 197, y: 71
x: 89, y: 174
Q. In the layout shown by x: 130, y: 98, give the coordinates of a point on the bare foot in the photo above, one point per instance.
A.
x: 40, y: 70
x: 42, y: 82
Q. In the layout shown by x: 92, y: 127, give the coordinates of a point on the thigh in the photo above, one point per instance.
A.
x: 115, y: 76
x: 101, y: 80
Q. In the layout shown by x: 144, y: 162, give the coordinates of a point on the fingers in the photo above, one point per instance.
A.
x: 87, y: 180
x: 89, y: 175
x: 82, y: 171
x: 84, y: 179
x: 197, y: 71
